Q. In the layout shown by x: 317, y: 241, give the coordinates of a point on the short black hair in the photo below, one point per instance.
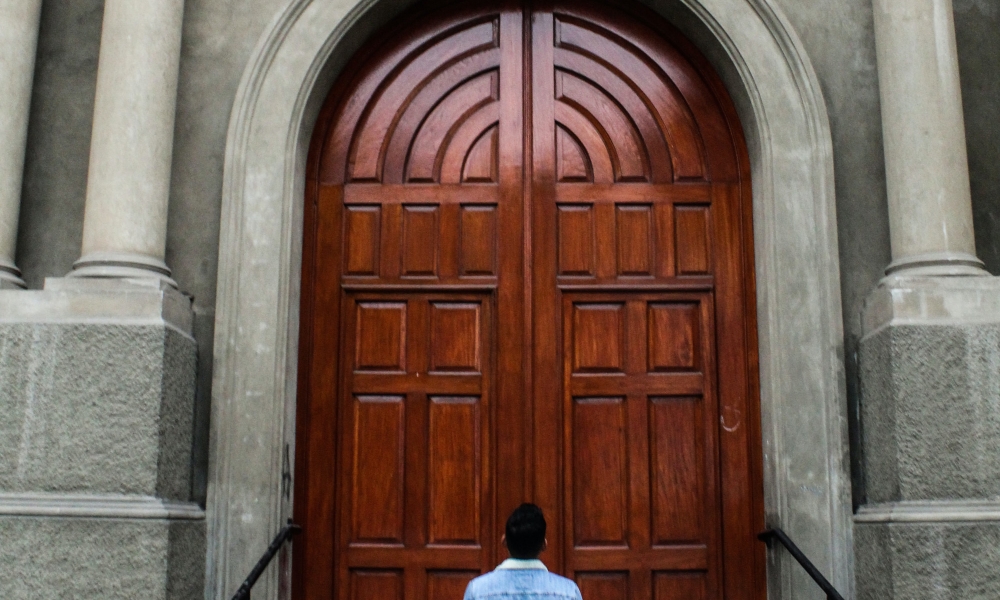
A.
x: 525, y: 531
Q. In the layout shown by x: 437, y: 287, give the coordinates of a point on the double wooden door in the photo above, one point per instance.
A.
x: 527, y: 277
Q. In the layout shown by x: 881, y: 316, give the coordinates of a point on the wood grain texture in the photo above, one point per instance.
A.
x: 528, y: 276
x: 609, y: 586
x: 448, y: 585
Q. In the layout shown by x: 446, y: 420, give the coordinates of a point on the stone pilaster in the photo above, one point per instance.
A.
x: 18, y: 41
x: 128, y: 186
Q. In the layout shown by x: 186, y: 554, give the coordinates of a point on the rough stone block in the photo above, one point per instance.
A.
x: 931, y: 411
x: 45, y: 558
x: 96, y: 406
x: 927, y: 561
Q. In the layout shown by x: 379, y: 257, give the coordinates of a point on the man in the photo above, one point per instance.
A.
x: 523, y: 576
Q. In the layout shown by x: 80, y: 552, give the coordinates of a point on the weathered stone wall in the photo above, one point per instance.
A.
x: 977, y: 23
x: 840, y: 38
x: 99, y: 408
x: 98, y: 558
x: 218, y: 38
x: 928, y: 561
x: 931, y: 412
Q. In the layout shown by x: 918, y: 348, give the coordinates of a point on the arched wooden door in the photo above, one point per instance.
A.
x: 528, y: 276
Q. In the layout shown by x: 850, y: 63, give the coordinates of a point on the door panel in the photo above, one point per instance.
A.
x: 416, y: 470
x: 640, y: 471
x: 527, y: 277
x: 448, y: 585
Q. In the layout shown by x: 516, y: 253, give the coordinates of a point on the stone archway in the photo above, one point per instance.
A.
x: 798, y: 295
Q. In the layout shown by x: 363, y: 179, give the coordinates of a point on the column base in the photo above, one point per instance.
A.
x: 98, y: 389
x: 10, y: 276
x: 937, y: 264
x: 930, y: 430
x: 113, y: 265
x: 929, y: 380
x: 97, y: 406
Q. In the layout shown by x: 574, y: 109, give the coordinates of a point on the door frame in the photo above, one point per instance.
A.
x: 767, y: 73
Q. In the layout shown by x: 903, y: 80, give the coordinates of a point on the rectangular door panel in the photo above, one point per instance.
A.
x: 638, y: 477
x: 693, y: 240
x: 421, y: 242
x: 417, y: 474
x: 677, y: 464
x: 600, y: 472
x: 577, y: 240
x: 363, y: 225
x: 674, y: 334
x: 454, y: 470
x: 598, y: 337
x: 371, y: 584
x: 380, y: 336
x: 478, y: 241
x: 603, y: 586
x: 634, y: 236
x: 679, y: 586
x: 377, y: 502
x: 455, y: 338
x: 448, y: 585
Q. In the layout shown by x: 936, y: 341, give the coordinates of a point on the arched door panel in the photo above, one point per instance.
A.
x: 524, y: 280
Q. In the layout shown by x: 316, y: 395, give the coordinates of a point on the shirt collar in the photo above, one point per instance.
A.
x: 521, y: 563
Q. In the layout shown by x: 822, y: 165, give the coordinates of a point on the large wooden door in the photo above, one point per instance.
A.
x: 528, y: 277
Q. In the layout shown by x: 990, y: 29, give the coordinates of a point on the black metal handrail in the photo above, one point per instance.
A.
x: 771, y: 534
x: 286, y: 533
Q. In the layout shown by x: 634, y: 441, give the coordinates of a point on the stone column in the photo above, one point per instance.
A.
x: 927, y: 171
x: 929, y: 359
x: 18, y: 42
x: 128, y: 186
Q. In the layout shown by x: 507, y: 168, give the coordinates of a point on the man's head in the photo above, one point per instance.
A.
x: 525, y: 532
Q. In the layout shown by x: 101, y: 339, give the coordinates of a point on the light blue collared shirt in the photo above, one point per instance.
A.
x: 520, y: 579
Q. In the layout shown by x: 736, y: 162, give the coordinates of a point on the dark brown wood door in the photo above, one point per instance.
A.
x: 528, y: 277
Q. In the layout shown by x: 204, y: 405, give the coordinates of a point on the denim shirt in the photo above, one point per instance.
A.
x: 518, y: 579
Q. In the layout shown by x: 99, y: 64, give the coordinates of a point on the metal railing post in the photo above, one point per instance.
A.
x: 286, y: 533
x: 775, y: 533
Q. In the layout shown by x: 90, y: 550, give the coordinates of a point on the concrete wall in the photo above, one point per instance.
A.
x: 218, y: 38
x: 59, y: 558
x: 55, y: 169
x: 219, y: 35
x: 840, y: 38
x: 98, y: 408
x: 977, y: 24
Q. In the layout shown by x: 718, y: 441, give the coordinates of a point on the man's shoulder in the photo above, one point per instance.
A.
x: 561, y: 581
x: 502, y: 574
x: 501, y: 581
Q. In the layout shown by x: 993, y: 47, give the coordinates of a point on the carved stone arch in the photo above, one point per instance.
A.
x: 765, y: 70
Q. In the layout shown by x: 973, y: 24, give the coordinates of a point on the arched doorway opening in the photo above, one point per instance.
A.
x: 527, y: 275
